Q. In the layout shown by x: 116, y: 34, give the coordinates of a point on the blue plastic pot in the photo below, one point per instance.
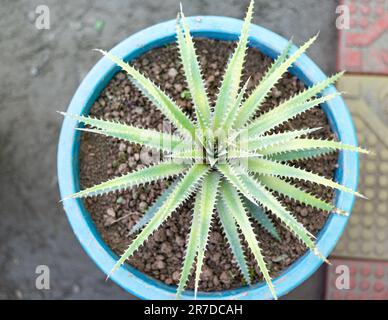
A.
x: 223, y: 28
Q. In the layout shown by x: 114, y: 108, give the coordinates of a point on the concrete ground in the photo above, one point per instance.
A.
x: 39, y: 72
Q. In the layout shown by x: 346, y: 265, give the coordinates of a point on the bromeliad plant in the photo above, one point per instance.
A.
x: 228, y: 157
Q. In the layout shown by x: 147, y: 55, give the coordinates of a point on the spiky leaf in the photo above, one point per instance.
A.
x: 300, y: 155
x: 207, y: 196
x: 193, y: 74
x: 232, y: 177
x: 134, y: 178
x: 258, y: 143
x: 297, y: 104
x: 161, y: 100
x: 281, y: 114
x: 151, y: 211
x: 150, y: 138
x: 196, y: 154
x: 258, y: 95
x: 232, y: 114
x: 191, y: 249
x: 295, y: 193
x: 269, y: 201
x: 182, y: 191
x: 273, y: 168
x: 232, y: 77
x: 310, y: 144
x: 233, y: 202
x: 262, y: 218
x: 233, y: 236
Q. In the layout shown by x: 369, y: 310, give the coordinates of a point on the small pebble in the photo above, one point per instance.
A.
x: 143, y: 206
x: 159, y: 264
x: 224, y: 277
x: 179, y: 241
x: 123, y: 168
x: 121, y: 76
x: 172, y: 73
x: 122, y: 146
x: 176, y: 275
x: 304, y: 212
x: 110, y: 212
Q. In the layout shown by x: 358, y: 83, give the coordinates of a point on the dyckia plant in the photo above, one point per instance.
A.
x: 228, y: 157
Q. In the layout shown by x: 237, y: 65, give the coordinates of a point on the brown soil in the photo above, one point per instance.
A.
x: 102, y: 158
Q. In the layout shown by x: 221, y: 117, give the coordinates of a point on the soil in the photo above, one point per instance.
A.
x: 103, y: 158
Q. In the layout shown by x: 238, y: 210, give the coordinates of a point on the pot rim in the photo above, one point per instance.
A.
x: 216, y: 27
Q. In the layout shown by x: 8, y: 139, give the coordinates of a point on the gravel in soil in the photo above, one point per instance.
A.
x: 103, y: 158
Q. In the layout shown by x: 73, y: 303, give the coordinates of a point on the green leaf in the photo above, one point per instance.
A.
x: 297, y: 104
x: 278, y: 61
x: 261, y: 142
x: 193, y: 74
x: 147, y: 137
x: 299, y: 155
x: 314, y: 90
x: 232, y: 114
x: 196, y: 154
x: 233, y: 236
x: 185, y: 187
x: 232, y: 177
x: 131, y: 179
x: 191, y: 248
x: 295, y: 193
x: 309, y: 144
x: 261, y: 217
x: 273, y: 168
x: 255, y: 100
x: 161, y: 100
x: 269, y: 201
x: 236, y: 208
x: 232, y: 77
x: 150, y: 213
x: 207, y: 196
x: 241, y: 154
x: 281, y: 114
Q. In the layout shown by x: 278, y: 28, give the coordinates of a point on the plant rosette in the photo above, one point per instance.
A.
x: 230, y: 164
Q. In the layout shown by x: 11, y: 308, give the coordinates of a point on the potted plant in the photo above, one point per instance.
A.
x: 228, y: 158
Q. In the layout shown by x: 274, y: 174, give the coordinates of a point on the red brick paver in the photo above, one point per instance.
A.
x: 363, y: 48
x: 368, y: 280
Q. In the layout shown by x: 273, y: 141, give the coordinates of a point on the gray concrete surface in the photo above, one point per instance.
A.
x: 39, y: 72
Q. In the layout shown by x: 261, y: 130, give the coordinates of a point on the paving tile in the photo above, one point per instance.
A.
x: 364, y: 46
x: 366, y: 235
x: 368, y: 280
